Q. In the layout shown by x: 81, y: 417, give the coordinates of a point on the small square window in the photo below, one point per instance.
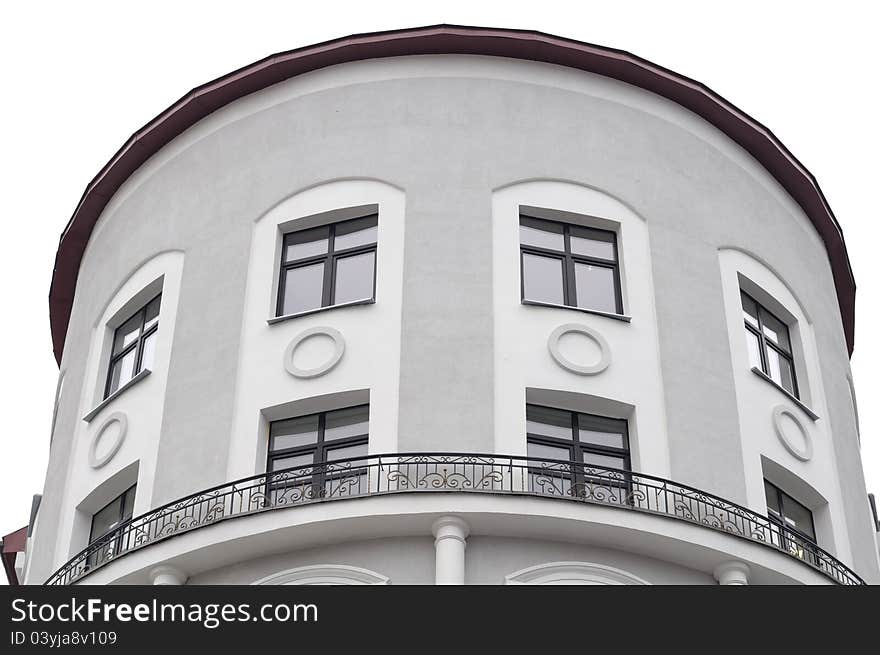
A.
x: 329, y: 265
x: 789, y: 513
x: 318, y: 455
x: 590, y: 450
x: 569, y: 265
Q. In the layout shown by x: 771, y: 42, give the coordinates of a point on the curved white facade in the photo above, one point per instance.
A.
x: 449, y: 152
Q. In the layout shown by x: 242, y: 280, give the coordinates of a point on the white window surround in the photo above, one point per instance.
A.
x: 325, y: 574
x: 633, y: 379
x: 111, y: 488
x: 304, y: 223
x: 573, y: 573
x: 130, y: 306
x: 141, y: 403
x: 806, y: 495
x: 814, y: 481
x: 371, y: 359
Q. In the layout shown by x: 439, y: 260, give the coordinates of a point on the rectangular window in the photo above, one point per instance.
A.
x: 569, y: 265
x: 785, y: 511
x: 104, y: 521
x: 328, y: 265
x: 134, y: 344
x: 314, y: 443
x: 769, y: 344
x: 586, y: 446
x: 788, y: 512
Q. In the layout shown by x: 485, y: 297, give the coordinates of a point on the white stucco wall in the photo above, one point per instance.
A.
x: 448, y: 148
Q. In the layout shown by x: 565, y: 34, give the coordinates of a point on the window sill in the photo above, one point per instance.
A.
x: 113, y: 396
x: 287, y: 317
x: 806, y: 410
x: 595, y: 312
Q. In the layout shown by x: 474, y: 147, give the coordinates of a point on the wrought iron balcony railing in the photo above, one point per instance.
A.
x: 449, y: 472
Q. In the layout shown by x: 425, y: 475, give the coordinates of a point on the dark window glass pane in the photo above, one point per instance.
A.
x: 128, y: 503
x: 772, y: 496
x: 753, y: 344
x: 151, y: 313
x: 294, y: 432
x: 354, y: 278
x: 595, y: 287
x: 356, y: 233
x: 775, y: 330
x: 780, y: 369
x: 122, y: 370
x: 750, y: 310
x: 607, y: 461
x: 149, y: 351
x: 542, y: 279
x: 127, y: 333
x: 542, y: 235
x: 548, y: 422
x: 592, y: 243
x: 548, y: 452
x: 303, y: 288
x: 347, y: 423
x: 602, y: 438
x: 112, y: 514
x: 797, y: 516
x: 307, y: 243
x: 280, y: 463
x: 345, y: 452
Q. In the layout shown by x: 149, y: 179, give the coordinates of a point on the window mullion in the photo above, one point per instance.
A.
x: 122, y: 353
x: 319, y: 443
x: 762, y: 340
x: 569, y: 290
x: 329, y: 269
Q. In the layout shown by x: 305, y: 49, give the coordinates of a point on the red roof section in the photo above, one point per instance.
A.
x: 13, y: 543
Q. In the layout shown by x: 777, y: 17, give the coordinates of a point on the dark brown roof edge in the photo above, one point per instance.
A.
x: 10, y: 546
x: 446, y: 39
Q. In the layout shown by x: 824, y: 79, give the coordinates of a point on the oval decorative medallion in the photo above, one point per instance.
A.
x: 107, y: 439
x: 322, y: 359
x: 563, y: 354
x: 792, y: 433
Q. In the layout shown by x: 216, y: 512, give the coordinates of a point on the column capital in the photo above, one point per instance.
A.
x: 166, y: 574
x: 450, y: 527
x: 732, y: 573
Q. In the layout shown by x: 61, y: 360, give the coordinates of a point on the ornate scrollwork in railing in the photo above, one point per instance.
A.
x: 448, y: 472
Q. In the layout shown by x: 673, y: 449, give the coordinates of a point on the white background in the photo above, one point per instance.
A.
x: 79, y: 77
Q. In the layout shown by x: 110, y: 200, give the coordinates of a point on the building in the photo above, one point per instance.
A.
x: 489, y: 306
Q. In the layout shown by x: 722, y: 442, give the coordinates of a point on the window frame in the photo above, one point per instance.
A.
x: 319, y: 447
x: 781, y: 496
x: 136, y: 345
x: 577, y: 469
x: 329, y: 260
x: 122, y: 507
x: 569, y: 261
x: 106, y: 550
x: 764, y: 343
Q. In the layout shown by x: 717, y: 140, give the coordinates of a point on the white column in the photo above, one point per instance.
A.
x: 167, y: 575
x: 450, y: 541
x: 733, y: 573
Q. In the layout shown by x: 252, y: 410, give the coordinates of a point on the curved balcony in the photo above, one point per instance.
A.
x: 448, y: 472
